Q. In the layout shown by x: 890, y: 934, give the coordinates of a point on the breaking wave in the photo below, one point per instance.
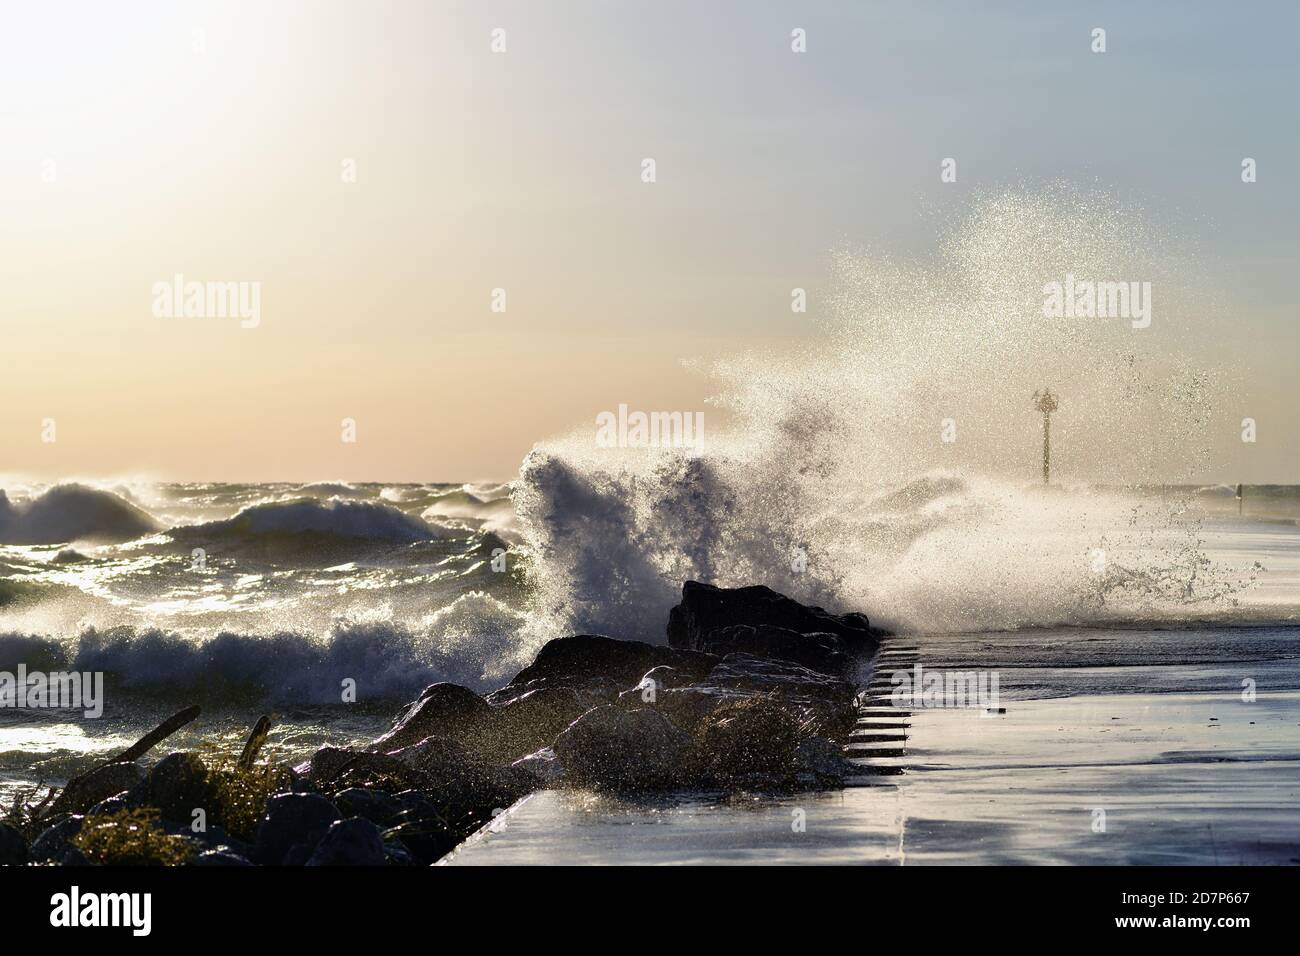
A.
x: 72, y: 512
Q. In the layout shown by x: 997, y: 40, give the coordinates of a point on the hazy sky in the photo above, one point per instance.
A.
x: 142, y: 140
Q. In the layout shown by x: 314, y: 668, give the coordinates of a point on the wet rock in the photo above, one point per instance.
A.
x: 55, y: 841
x: 613, y: 748
x: 745, y: 737
x: 221, y: 856
x: 445, y: 710
x: 543, y: 765
x: 293, y: 820
x: 374, y: 805
x: 822, y: 652
x: 111, y: 805
x: 706, y: 609
x: 352, y: 842
x: 598, y: 668
x: 822, y: 760
x: 397, y: 854
x: 85, y: 791
x: 766, y: 675
x: 531, y: 720
x: 13, y: 848
x: 823, y: 704
x: 325, y: 763
x: 177, y: 785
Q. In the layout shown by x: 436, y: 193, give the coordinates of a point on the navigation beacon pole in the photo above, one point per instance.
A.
x: 1045, y: 402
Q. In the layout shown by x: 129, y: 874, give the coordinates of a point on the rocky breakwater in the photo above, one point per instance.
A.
x: 753, y: 691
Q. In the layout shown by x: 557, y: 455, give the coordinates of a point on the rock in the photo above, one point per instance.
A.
x: 823, y: 704
x: 685, y: 707
x: 598, y: 668
x: 755, y: 735
x: 532, y: 720
x: 325, y: 763
x: 612, y: 748
x: 706, y: 609
x: 374, y: 805
x: 445, y: 710
x: 292, y: 820
x: 352, y: 842
x: 822, y: 652
x: 778, y: 676
x: 220, y: 856
x: 85, y: 791
x: 823, y: 760
x: 54, y: 842
x: 396, y: 854
x: 178, y: 785
x: 13, y: 847
x: 543, y: 765
x: 105, y: 807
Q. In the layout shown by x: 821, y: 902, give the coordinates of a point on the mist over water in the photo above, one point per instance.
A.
x: 837, y: 452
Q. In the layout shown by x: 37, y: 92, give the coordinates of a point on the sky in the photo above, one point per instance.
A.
x: 139, y: 141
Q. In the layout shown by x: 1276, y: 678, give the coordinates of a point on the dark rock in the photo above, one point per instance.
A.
x: 778, y: 676
x: 742, y: 737
x: 13, y: 847
x: 543, y: 765
x: 821, y: 652
x: 823, y: 704
x: 111, y: 805
x: 445, y: 710
x: 531, y: 720
x: 598, y: 668
x: 822, y: 760
x: 374, y: 805
x: 220, y: 856
x: 706, y: 609
x: 85, y: 791
x: 397, y: 854
x: 178, y: 785
x: 54, y: 842
x: 292, y: 819
x: 325, y: 763
x: 609, y: 747
x: 428, y: 840
x: 353, y: 842
x: 73, y: 857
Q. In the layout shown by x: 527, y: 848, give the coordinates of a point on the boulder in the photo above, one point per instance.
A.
x: 597, y: 667
x: 13, y: 848
x: 220, y: 856
x: 374, y: 805
x: 612, y: 748
x: 352, y: 842
x: 531, y: 720
x: 823, y: 704
x: 543, y: 765
x: 177, y: 785
x: 99, y: 784
x: 819, y: 651
x: 750, y: 736
x: 292, y: 820
x: 705, y: 609
x: 325, y: 763
x: 444, y: 709
x: 55, y: 841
